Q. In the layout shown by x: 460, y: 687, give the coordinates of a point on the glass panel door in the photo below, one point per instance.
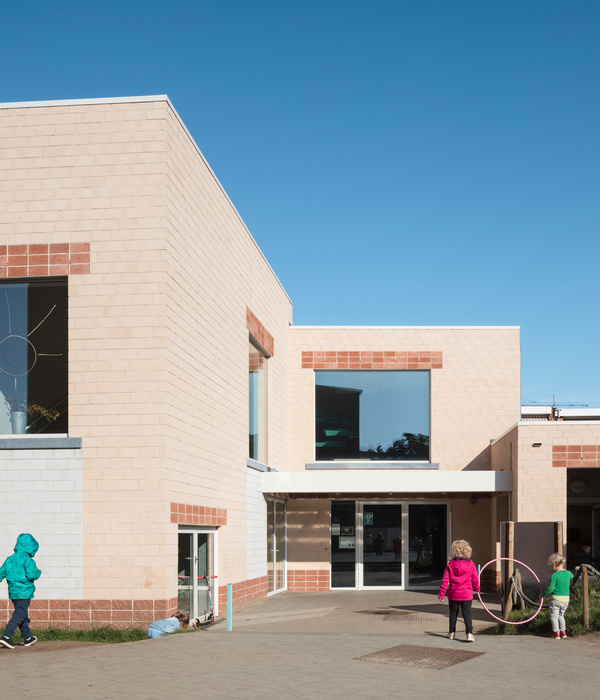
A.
x: 428, y: 544
x: 343, y: 544
x: 275, y: 546
x: 382, y: 545
x: 185, y: 574
x: 194, y: 571
x: 279, y: 546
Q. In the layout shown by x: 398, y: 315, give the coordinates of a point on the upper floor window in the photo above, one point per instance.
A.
x: 372, y: 415
x: 33, y: 356
x: 258, y: 403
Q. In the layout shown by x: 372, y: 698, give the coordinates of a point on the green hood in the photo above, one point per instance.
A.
x: 27, y: 543
x: 20, y: 570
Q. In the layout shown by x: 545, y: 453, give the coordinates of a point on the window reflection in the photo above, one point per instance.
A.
x: 372, y: 415
x: 257, y: 389
x: 33, y: 357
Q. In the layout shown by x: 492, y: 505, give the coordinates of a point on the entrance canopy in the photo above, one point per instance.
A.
x: 386, y: 480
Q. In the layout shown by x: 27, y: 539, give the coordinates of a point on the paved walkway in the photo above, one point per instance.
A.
x: 305, y: 645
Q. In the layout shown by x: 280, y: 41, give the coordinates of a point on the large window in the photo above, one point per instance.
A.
x: 33, y: 357
x: 257, y: 389
x: 372, y: 415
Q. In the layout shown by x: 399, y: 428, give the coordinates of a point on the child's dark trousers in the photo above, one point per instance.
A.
x: 20, y: 619
x: 455, y: 606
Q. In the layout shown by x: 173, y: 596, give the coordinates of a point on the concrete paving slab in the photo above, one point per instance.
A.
x: 307, y: 646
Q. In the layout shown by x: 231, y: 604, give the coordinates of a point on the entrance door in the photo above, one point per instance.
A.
x: 381, y: 545
x: 428, y: 544
x: 388, y: 545
x: 275, y: 546
x: 196, y: 562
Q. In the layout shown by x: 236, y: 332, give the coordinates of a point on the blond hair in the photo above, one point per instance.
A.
x: 556, y: 559
x: 460, y: 548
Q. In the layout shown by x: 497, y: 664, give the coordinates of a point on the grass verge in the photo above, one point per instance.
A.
x: 103, y: 635
x: 540, y: 625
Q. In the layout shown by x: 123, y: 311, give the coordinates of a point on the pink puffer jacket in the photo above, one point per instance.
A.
x: 460, y: 578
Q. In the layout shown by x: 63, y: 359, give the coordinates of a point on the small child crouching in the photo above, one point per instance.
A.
x: 168, y: 625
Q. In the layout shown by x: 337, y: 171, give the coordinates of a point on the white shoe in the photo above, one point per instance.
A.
x: 450, y: 635
x: 470, y: 638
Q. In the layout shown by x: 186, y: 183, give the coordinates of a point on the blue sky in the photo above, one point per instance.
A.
x: 398, y: 162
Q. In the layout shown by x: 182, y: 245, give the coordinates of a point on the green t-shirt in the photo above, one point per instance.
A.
x: 560, y: 582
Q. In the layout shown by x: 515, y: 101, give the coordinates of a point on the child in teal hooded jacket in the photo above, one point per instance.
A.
x: 20, y: 572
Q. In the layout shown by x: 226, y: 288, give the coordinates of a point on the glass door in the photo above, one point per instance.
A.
x: 343, y: 544
x: 276, y: 555
x: 196, y: 564
x: 428, y: 544
x: 382, y: 545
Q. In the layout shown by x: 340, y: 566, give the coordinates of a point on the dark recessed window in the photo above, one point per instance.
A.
x: 33, y: 357
x: 257, y: 391
x: 376, y: 415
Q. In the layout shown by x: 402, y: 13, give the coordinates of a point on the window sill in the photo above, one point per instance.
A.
x: 259, y: 466
x: 40, y: 442
x: 372, y: 464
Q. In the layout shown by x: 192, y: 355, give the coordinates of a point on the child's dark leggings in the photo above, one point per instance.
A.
x: 455, y: 606
x: 20, y: 619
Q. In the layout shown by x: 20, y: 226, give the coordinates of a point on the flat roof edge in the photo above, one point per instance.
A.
x: 437, y: 328
x: 85, y: 101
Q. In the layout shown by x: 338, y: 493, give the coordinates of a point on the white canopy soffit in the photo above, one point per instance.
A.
x: 373, y: 481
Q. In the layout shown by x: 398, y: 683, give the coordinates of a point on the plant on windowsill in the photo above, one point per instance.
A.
x: 50, y: 414
x: 16, y: 403
x: 20, y: 409
x: 17, y: 407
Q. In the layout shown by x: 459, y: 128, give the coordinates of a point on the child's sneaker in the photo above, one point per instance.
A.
x: 5, y: 641
x: 470, y: 637
x: 557, y: 635
x: 450, y: 635
x: 30, y: 641
x: 563, y: 634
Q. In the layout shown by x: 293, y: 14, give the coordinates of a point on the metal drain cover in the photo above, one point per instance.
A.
x: 409, y: 617
x: 420, y: 657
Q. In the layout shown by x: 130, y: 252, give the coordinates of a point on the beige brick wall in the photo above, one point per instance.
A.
x: 541, y: 490
x: 157, y: 330
x: 475, y: 396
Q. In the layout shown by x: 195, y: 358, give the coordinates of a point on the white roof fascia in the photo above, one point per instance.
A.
x: 419, y: 328
x: 579, y: 412
x: 89, y: 101
x: 386, y: 481
x: 536, y: 410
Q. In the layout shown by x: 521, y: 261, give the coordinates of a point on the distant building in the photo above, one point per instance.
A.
x: 199, y: 432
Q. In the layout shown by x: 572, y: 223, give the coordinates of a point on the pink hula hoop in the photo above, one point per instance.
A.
x: 522, y: 622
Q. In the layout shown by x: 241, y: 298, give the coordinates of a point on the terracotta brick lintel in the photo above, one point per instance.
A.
x: 367, y: 359
x: 576, y: 456
x: 259, y: 332
x: 44, y: 260
x: 185, y: 514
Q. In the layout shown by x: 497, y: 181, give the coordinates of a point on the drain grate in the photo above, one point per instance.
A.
x: 381, y: 611
x: 409, y: 617
x: 390, y: 615
x: 420, y: 657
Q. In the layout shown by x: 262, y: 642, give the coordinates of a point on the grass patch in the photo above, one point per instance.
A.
x: 540, y: 625
x: 103, y: 635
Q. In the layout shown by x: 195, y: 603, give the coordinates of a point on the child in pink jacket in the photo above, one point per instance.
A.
x: 461, y: 579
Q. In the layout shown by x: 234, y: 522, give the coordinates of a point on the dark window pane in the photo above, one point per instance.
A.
x: 34, y: 356
x: 372, y: 415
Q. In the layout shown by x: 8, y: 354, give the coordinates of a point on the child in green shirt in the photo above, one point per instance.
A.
x: 558, y: 588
